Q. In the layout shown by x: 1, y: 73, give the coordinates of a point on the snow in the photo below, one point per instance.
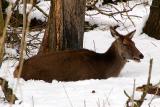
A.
x: 35, y: 13
x: 94, y: 93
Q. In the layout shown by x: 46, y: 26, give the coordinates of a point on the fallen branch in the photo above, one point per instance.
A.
x: 138, y: 103
x: 152, y: 89
x: 8, y: 92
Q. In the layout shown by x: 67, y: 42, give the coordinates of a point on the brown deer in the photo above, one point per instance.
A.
x: 73, y: 65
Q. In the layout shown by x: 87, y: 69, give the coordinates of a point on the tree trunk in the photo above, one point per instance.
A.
x: 74, y: 15
x: 65, y: 26
x: 1, y: 34
x: 1, y: 19
x: 152, y: 27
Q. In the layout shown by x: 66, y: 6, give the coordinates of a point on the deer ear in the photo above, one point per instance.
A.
x: 114, y: 33
x: 131, y: 34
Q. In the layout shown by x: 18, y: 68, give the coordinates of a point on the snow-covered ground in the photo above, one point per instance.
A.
x: 95, y: 93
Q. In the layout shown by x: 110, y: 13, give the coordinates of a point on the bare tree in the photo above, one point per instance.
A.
x: 65, y: 26
x: 152, y: 27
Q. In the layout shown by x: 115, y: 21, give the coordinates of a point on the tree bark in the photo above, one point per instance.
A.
x: 65, y: 26
x: 152, y: 27
x: 74, y: 15
x: 1, y: 19
x: 1, y: 34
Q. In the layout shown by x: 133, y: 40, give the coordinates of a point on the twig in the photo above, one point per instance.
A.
x: 150, y: 71
x: 123, y: 12
x: 128, y: 15
x: 25, y: 30
x: 94, y: 45
x: 118, y: 11
x: 98, y: 103
x: 138, y: 103
x: 32, y: 101
x: 85, y: 103
x: 132, y: 99
x: 70, y: 102
x: 107, y: 99
x: 41, y: 10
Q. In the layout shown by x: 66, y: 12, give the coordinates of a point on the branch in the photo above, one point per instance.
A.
x: 8, y: 92
x: 124, y: 12
x: 138, y: 103
x: 41, y: 10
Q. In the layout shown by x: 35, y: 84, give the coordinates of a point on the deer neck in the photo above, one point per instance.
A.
x: 115, y: 62
x: 114, y: 55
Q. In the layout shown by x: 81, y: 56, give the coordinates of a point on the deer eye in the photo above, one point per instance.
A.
x: 125, y: 45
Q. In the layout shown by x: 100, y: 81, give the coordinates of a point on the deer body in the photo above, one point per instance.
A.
x: 73, y: 65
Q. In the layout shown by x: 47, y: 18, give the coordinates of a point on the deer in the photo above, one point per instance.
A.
x: 82, y: 64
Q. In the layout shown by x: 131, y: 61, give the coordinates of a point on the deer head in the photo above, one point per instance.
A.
x: 126, y: 47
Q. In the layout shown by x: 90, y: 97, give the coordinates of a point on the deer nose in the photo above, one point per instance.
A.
x: 141, y: 56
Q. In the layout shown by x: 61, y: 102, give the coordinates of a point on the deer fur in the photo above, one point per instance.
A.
x: 73, y: 65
